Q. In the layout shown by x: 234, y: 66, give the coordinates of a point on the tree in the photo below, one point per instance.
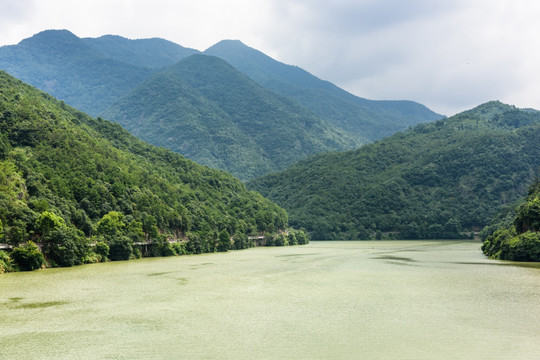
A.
x: 102, y: 249
x: 65, y: 246
x: 48, y: 221
x: 120, y: 248
x: 528, y: 216
x: 28, y: 256
x: 224, y: 240
x: 149, y: 226
x: 111, y: 224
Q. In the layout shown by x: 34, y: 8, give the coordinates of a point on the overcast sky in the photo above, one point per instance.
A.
x: 449, y: 55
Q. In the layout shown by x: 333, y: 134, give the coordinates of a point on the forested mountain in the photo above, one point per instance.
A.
x: 151, y: 53
x: 516, y: 234
x: 92, y: 73
x: 366, y: 119
x: 89, y: 74
x: 436, y: 180
x: 210, y: 112
x: 65, y: 176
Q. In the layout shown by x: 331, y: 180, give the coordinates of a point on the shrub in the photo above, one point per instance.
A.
x: 524, y: 247
x: 102, y: 249
x: 28, y: 257
x: 65, y: 246
x: 281, y: 240
x: 120, y: 248
x: 6, y: 263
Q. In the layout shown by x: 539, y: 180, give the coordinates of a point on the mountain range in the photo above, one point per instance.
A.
x: 106, y: 76
x: 366, y: 119
x: 207, y: 110
x: 444, y: 179
x: 234, y: 108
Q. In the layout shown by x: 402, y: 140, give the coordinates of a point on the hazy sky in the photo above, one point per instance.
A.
x: 449, y: 55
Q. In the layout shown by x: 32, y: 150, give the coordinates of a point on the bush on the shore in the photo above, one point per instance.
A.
x: 28, y: 257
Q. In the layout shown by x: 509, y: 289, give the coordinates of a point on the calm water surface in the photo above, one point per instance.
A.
x: 326, y: 300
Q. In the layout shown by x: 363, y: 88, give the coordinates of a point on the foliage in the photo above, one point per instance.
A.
x: 47, y: 222
x: 89, y: 74
x: 214, y: 115
x: 68, y: 180
x: 102, y: 249
x: 208, y: 111
x: 6, y: 263
x: 520, y: 242
x: 27, y: 257
x: 65, y: 246
x: 224, y: 240
x: 440, y: 180
x: 111, y: 224
x: 120, y: 248
x: 367, y: 120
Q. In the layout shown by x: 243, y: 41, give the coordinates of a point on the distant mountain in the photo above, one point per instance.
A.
x: 92, y: 73
x: 250, y: 130
x: 150, y: 53
x: 207, y: 110
x: 67, y: 180
x: 89, y: 74
x: 365, y: 119
x: 436, y: 180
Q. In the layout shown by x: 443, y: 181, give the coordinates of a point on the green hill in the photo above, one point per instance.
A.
x: 365, y: 119
x: 436, y: 180
x: 93, y: 73
x: 89, y: 74
x: 208, y: 111
x: 151, y: 53
x: 68, y: 180
x: 515, y: 235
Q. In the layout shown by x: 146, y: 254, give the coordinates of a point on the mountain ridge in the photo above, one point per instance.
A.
x: 208, y: 110
x: 436, y: 180
x: 370, y: 119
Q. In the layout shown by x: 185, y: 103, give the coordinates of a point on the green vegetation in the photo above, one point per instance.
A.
x: 28, y: 257
x: 85, y: 190
x: 366, y: 120
x: 89, y: 74
x: 203, y: 108
x: 208, y: 111
x: 439, y: 180
x: 517, y: 237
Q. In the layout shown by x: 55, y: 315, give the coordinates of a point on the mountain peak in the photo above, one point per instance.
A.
x: 229, y: 44
x: 49, y: 35
x: 490, y: 109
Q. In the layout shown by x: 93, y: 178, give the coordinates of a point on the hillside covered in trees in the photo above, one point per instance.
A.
x: 516, y: 235
x: 368, y: 120
x: 90, y: 73
x: 254, y: 117
x: 439, y: 180
x: 87, y: 189
x: 210, y: 112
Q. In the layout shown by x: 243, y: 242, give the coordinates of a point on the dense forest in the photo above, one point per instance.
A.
x: 86, y: 190
x: 89, y: 74
x: 206, y: 110
x: 251, y: 117
x: 444, y: 179
x: 515, y: 235
x: 367, y: 120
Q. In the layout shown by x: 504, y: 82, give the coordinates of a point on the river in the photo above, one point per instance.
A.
x: 326, y: 300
